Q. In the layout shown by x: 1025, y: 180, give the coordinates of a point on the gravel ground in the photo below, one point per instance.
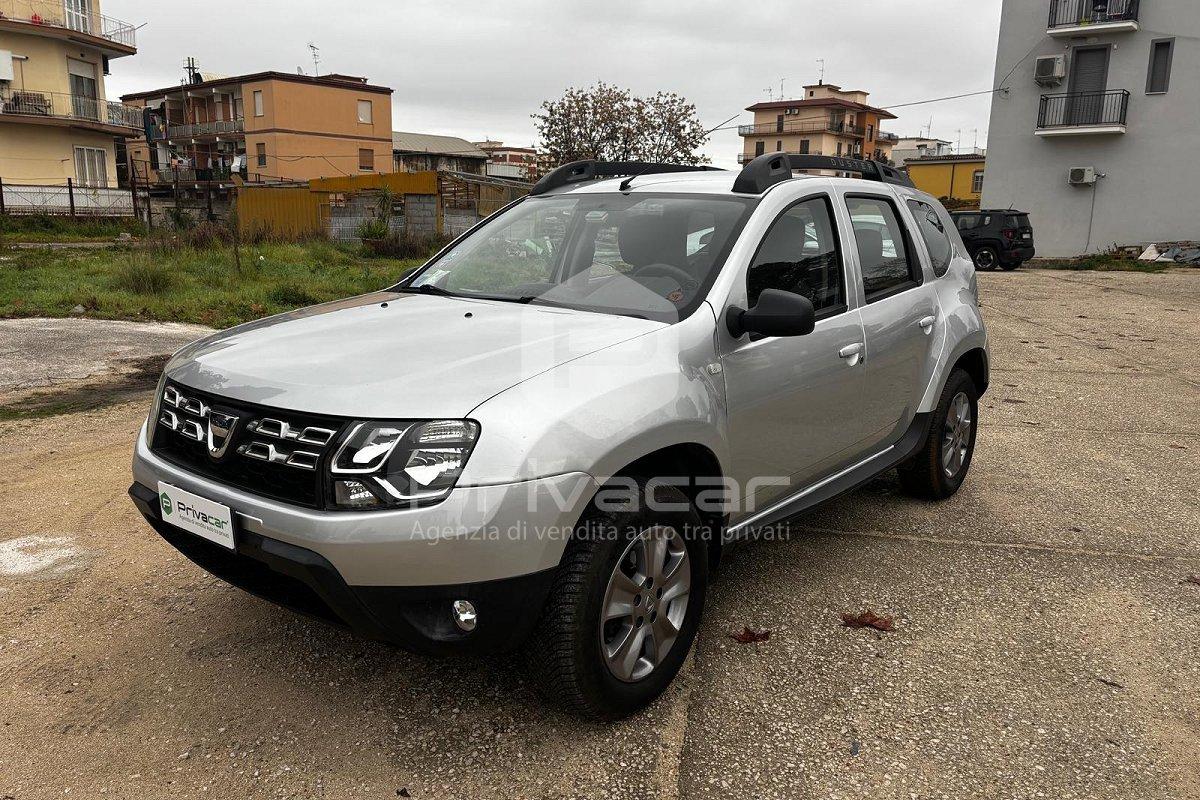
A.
x: 36, y: 353
x: 1045, y: 642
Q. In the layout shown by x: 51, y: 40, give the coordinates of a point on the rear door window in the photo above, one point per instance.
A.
x: 964, y: 222
x: 934, y: 233
x: 886, y: 261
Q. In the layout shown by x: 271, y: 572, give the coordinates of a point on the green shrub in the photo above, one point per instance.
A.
x: 374, y: 230
x: 405, y: 246
x: 144, y: 276
x: 291, y: 295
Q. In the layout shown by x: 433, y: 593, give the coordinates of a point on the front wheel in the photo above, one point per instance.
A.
x: 986, y: 258
x: 625, y: 606
x: 939, y: 468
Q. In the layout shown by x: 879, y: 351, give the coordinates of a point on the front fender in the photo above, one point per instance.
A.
x: 599, y: 413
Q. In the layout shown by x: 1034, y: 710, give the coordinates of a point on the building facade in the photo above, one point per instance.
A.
x: 1096, y: 135
x: 515, y: 163
x: 826, y: 121
x: 954, y: 178
x: 56, y: 121
x: 920, y: 147
x: 429, y: 152
x: 265, y: 127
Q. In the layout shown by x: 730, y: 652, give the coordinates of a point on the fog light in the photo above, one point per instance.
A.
x: 464, y: 615
x: 352, y: 494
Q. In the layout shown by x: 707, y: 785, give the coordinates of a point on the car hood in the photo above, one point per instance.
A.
x: 394, y: 355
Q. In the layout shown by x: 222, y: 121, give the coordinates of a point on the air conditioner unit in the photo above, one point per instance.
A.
x: 1082, y: 176
x: 1050, y: 70
x: 791, y: 111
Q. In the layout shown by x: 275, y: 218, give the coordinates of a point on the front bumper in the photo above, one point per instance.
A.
x: 389, y: 575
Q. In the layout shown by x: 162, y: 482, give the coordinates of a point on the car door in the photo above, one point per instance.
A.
x: 900, y: 314
x: 791, y: 400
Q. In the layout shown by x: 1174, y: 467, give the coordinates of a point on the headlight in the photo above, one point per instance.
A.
x: 390, y: 464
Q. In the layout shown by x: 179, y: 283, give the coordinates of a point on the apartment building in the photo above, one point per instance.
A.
x: 263, y: 127
x: 825, y: 121
x: 1096, y: 135
x: 56, y: 121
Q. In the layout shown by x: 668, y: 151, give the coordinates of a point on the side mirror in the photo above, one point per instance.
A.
x: 777, y: 313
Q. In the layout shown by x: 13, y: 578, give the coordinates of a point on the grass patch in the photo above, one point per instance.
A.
x: 1101, y: 262
x: 47, y: 228
x: 171, y: 280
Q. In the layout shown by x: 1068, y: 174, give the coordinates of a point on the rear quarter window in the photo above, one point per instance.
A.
x: 933, y: 231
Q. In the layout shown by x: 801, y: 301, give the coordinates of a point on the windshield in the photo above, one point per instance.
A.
x: 644, y: 255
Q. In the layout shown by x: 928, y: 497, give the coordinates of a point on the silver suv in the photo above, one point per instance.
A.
x: 546, y: 435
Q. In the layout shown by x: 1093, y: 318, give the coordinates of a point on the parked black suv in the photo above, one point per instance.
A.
x: 996, y: 237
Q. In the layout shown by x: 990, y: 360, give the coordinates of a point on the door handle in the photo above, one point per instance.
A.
x: 926, y: 323
x: 853, y: 352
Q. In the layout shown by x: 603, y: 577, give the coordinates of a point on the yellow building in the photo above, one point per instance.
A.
x: 955, y: 177
x: 266, y: 127
x: 826, y: 121
x: 55, y: 120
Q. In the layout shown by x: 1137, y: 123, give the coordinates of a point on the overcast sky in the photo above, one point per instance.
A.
x: 479, y: 69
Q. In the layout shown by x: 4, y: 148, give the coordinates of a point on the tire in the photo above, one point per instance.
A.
x: 986, y: 258
x: 928, y: 473
x: 567, y: 652
x: 1009, y: 266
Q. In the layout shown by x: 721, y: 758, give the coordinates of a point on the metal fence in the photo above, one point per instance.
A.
x: 1070, y: 13
x: 66, y: 200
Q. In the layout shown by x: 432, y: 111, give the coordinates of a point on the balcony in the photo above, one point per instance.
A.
x: 809, y: 126
x: 198, y: 130
x: 1083, y: 113
x: 1090, y: 17
x: 60, y: 20
x: 50, y: 108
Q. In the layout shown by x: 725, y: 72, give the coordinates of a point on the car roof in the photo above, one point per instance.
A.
x: 988, y: 211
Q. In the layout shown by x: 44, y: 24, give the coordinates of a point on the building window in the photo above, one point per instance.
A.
x: 258, y: 103
x: 977, y: 182
x: 804, y: 147
x: 365, y: 112
x: 91, y: 166
x: 760, y: 148
x: 366, y: 160
x: 870, y: 133
x: 260, y: 150
x: 779, y: 145
x: 1159, y: 78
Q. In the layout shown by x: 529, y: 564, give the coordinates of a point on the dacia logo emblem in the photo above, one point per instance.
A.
x: 220, y: 432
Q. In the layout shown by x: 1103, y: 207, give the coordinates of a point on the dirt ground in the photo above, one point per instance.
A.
x: 1045, y: 644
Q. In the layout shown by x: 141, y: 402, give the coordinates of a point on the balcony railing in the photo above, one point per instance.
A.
x: 31, y: 103
x: 205, y: 129
x: 810, y: 126
x: 1083, y: 110
x: 62, y: 15
x: 1076, y: 13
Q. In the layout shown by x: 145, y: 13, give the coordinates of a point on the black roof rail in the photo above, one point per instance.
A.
x: 579, y: 171
x: 771, y: 168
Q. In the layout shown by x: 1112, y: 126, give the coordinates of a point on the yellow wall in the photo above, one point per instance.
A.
x: 45, y: 66
x: 952, y: 179
x: 34, y: 153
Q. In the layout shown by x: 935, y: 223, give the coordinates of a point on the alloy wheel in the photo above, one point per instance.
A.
x: 956, y: 435
x: 985, y: 259
x: 645, y: 603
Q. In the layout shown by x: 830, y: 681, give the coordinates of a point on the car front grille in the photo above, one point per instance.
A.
x: 279, y: 454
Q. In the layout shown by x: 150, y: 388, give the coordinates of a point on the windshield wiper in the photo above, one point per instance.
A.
x: 428, y: 288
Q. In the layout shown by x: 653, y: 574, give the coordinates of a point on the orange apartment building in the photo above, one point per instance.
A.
x: 265, y: 127
x: 826, y: 121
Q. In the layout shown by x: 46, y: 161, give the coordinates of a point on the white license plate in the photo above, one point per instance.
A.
x: 1026, y: 235
x: 197, y: 515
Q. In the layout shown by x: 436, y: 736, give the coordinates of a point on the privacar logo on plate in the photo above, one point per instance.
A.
x: 166, y: 503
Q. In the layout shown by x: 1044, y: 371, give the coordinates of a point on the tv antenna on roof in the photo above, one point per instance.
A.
x: 770, y: 92
x: 821, y: 70
x: 316, y: 57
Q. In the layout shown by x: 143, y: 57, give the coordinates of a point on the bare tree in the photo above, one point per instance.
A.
x: 612, y: 124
